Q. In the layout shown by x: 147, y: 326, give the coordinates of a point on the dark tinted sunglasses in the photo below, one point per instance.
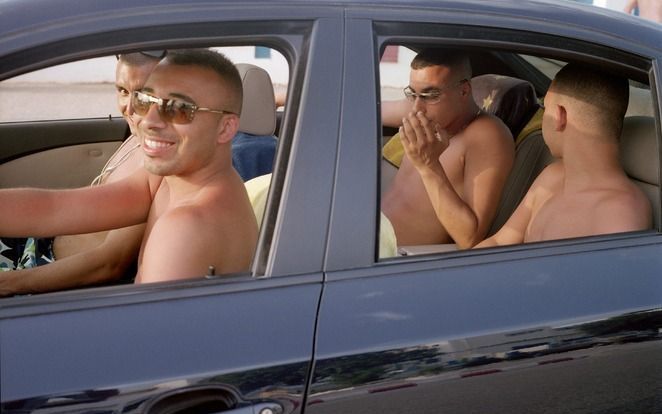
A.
x: 176, y: 111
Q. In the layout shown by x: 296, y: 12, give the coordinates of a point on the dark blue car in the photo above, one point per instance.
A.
x: 329, y: 319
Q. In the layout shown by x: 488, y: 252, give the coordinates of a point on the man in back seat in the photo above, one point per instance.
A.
x: 586, y: 192
x: 86, y: 259
x: 456, y: 160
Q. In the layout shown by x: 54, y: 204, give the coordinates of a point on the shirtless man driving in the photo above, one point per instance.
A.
x: 194, y: 203
x: 456, y: 160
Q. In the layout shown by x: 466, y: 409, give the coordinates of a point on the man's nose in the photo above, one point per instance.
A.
x: 419, y: 104
x: 152, y: 117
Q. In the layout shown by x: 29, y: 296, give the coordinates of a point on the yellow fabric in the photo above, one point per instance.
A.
x: 388, y: 246
x: 534, y: 123
x: 393, y: 150
x: 258, y: 189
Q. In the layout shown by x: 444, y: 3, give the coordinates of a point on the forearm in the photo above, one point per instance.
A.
x: 393, y: 111
x: 453, y: 213
x: 23, y: 210
x: 104, y: 263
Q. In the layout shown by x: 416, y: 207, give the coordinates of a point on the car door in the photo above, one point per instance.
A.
x: 223, y: 342
x: 559, y: 326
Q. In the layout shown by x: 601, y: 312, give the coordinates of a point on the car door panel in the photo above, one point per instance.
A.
x: 564, y: 326
x: 130, y: 351
x: 477, y: 337
x: 57, y: 154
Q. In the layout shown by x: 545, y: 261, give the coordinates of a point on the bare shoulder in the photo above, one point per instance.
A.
x: 487, y: 134
x: 624, y: 208
x: 546, y: 184
x: 553, y: 173
x: 188, y: 238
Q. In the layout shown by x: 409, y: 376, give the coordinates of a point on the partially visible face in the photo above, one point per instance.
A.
x: 129, y: 78
x: 437, y: 78
x: 184, y: 149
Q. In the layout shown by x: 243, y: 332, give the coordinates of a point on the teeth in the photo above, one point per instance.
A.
x: 156, y: 144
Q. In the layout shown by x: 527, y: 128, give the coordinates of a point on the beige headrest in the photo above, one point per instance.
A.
x: 639, y: 152
x: 258, y: 112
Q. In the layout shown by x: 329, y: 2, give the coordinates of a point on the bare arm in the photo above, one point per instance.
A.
x: 514, y: 230
x: 44, y: 213
x: 488, y: 162
x: 105, y: 263
x: 394, y: 111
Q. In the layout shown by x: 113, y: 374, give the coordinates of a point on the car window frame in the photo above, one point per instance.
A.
x: 402, y: 32
x: 290, y: 37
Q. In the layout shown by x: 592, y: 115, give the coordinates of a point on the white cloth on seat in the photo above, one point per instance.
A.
x: 258, y: 190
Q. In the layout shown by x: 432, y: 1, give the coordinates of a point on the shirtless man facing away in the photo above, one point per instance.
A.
x: 456, y: 160
x: 193, y: 202
x: 648, y: 9
x: 88, y: 259
x: 585, y: 192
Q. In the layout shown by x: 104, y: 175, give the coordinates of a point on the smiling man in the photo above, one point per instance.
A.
x: 195, y: 206
x: 30, y: 264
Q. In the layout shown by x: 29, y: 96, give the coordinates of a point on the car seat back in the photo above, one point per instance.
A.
x: 254, y: 146
x: 640, y: 158
x: 514, y: 101
x: 531, y: 157
x: 258, y: 110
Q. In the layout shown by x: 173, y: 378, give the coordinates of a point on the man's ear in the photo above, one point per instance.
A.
x: 227, y: 128
x: 560, y: 117
x: 465, y: 88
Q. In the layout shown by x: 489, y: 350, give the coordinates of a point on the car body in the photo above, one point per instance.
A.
x: 321, y: 324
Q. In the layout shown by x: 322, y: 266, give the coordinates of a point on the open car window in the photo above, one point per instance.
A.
x: 61, y: 127
x: 510, y: 85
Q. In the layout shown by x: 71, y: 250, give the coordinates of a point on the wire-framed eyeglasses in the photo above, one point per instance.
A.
x: 432, y: 96
x: 176, y: 111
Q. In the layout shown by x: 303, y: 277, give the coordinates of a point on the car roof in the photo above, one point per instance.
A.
x: 23, y: 19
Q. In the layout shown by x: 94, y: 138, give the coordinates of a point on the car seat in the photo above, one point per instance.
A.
x: 254, y: 146
x: 640, y: 158
x: 511, y: 99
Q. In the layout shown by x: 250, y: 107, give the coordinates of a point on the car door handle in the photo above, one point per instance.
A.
x: 259, y: 408
x: 208, y: 400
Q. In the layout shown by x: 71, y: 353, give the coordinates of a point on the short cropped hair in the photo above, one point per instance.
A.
x: 607, y: 93
x: 137, y: 59
x: 217, y: 62
x: 454, y: 59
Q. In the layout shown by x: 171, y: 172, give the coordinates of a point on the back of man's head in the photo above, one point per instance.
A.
x: 454, y: 59
x: 216, y: 62
x: 603, y: 96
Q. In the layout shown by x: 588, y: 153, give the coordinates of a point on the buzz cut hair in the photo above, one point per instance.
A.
x: 218, y: 63
x: 456, y: 60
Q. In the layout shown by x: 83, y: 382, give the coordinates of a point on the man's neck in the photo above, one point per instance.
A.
x: 593, y: 162
x: 468, y: 117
